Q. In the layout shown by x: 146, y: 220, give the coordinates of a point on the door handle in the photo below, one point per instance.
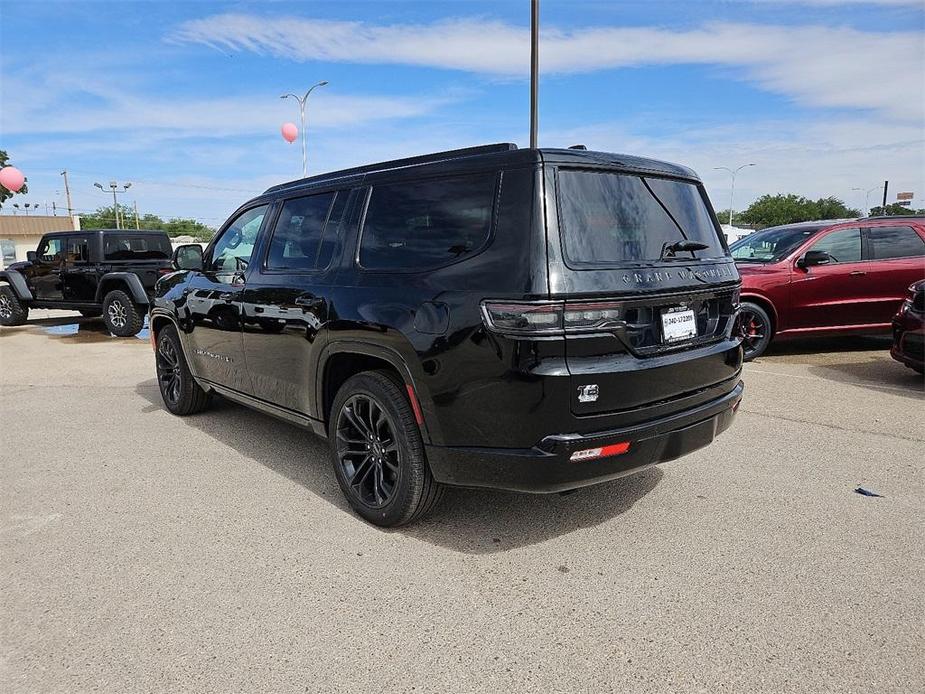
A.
x: 857, y: 273
x: 308, y: 301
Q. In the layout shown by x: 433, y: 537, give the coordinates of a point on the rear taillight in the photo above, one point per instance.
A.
x: 549, y: 317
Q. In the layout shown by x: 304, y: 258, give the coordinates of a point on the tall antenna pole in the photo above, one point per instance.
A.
x: 534, y: 67
x: 135, y: 203
x: 67, y: 191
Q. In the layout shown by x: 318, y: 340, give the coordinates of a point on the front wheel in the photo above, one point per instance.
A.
x: 11, y: 311
x: 179, y: 390
x: 378, y: 453
x: 754, y: 329
x: 120, y: 314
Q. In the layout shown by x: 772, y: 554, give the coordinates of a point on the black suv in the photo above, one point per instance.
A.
x: 101, y: 271
x: 531, y: 320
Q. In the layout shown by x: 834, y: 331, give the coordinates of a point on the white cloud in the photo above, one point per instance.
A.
x: 35, y: 109
x: 820, y: 66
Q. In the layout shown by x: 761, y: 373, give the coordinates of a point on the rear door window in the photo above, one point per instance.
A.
x: 894, y: 242
x: 78, y: 250
x: 844, y: 245
x: 425, y: 224
x: 306, y: 232
x: 127, y: 247
x: 609, y: 218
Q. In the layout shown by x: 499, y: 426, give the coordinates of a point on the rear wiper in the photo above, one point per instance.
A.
x: 670, y: 250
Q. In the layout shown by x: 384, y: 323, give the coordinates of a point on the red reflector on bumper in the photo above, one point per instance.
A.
x: 602, y: 452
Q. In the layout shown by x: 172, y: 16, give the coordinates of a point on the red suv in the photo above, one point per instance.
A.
x: 826, y: 278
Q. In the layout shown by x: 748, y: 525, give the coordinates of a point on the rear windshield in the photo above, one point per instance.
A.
x: 136, y: 248
x: 610, y: 218
x: 770, y: 245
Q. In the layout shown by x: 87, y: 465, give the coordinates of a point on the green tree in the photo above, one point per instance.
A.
x: 4, y: 192
x: 104, y: 218
x: 772, y: 210
x: 894, y: 209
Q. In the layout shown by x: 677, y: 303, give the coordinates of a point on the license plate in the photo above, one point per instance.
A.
x: 678, y: 324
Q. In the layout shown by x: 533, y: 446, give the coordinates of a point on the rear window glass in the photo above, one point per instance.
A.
x: 305, y: 232
x: 427, y: 223
x: 136, y: 248
x: 895, y: 242
x: 610, y: 218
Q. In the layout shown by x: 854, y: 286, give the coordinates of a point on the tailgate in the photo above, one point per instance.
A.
x: 638, y: 362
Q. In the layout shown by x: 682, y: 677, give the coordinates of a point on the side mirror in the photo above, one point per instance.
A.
x: 188, y: 257
x: 31, y: 256
x: 811, y: 258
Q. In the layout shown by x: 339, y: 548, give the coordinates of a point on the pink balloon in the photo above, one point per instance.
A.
x: 11, y: 178
x: 290, y: 132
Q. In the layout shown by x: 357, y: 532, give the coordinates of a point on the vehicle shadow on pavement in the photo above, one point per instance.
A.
x: 825, y: 345
x: 472, y: 521
x: 877, y: 374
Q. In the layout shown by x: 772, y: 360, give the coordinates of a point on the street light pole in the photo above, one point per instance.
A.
x: 302, y: 101
x: 115, y: 203
x: 732, y: 192
x: 867, y: 200
x: 534, y: 70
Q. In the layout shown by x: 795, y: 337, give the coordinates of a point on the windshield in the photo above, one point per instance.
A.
x: 770, y: 245
x: 608, y: 218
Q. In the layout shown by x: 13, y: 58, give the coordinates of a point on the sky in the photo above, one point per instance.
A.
x: 825, y: 97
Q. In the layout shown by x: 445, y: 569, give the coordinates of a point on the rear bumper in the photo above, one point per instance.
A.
x: 547, y: 467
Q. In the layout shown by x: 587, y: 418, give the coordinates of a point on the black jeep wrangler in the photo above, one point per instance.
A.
x: 100, y: 271
x: 531, y: 320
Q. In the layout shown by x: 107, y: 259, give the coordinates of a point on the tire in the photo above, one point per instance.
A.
x: 181, y: 394
x: 91, y: 312
x: 120, y: 314
x: 377, y: 452
x: 755, y: 330
x: 12, y: 312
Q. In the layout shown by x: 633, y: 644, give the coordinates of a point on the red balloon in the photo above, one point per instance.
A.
x: 290, y: 132
x: 11, y: 178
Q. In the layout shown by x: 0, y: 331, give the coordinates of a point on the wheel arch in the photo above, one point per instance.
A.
x: 767, y: 305
x: 126, y: 281
x: 17, y: 283
x: 342, y: 359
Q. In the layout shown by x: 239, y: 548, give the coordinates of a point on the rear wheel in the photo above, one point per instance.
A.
x: 11, y: 311
x: 378, y: 453
x: 179, y: 390
x: 121, y: 315
x: 754, y: 329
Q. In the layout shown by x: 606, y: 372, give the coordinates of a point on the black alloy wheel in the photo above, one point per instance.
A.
x: 754, y: 329
x: 179, y: 390
x: 367, y: 450
x: 378, y: 452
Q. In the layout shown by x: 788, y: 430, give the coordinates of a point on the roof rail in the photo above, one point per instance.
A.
x: 898, y: 217
x: 398, y: 163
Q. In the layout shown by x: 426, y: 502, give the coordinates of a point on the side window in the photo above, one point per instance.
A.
x: 427, y: 223
x: 234, y: 248
x: 843, y: 245
x: 78, y: 250
x: 297, y: 238
x: 51, y: 250
x: 125, y: 247
x: 894, y: 242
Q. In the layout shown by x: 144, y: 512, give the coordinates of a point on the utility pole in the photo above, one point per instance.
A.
x: 67, y: 191
x: 534, y: 69
x: 135, y: 204
x: 115, y: 203
x: 886, y: 184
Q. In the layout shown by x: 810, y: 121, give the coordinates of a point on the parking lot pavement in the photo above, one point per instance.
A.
x: 142, y: 552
